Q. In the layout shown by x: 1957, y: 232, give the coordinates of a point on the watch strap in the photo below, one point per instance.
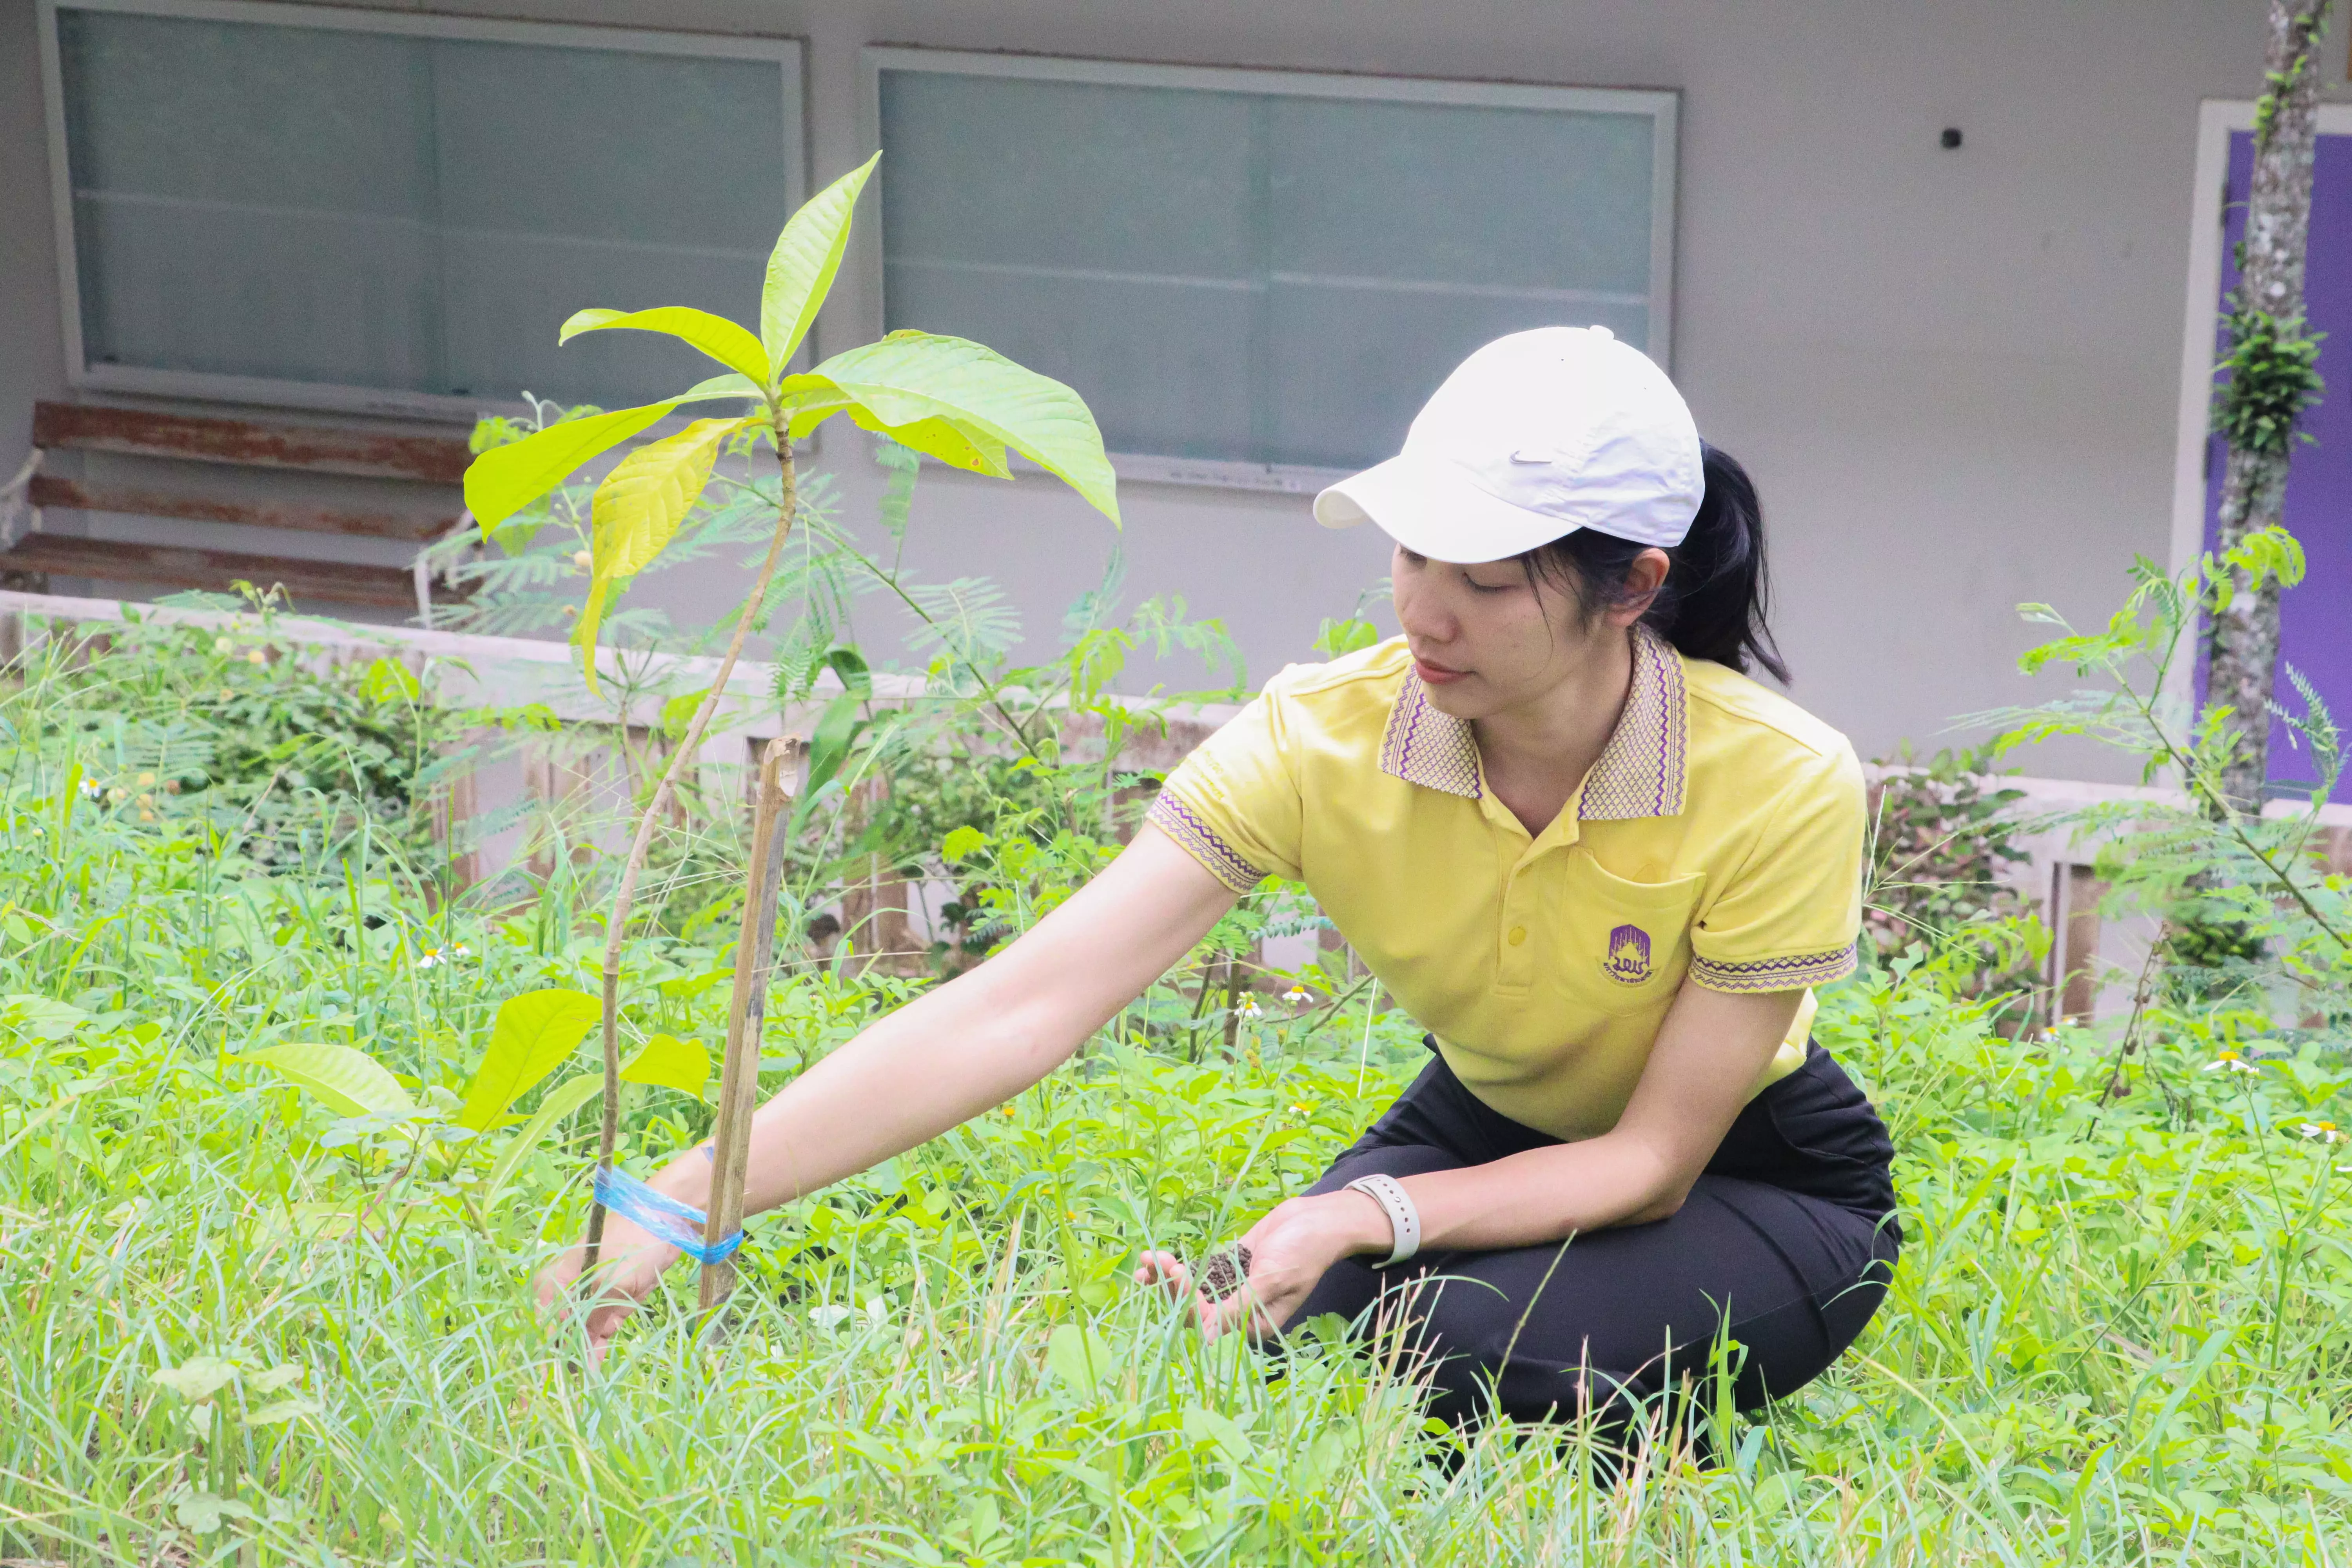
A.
x: 1405, y: 1219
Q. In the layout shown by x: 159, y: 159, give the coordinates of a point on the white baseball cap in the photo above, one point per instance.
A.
x: 1535, y: 435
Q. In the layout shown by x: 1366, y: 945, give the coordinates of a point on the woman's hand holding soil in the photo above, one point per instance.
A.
x: 632, y: 1266
x: 1288, y: 1251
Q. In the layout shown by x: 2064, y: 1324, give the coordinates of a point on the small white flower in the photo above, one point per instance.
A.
x: 434, y: 956
x: 1248, y: 1007
x: 2324, y: 1132
x: 2231, y: 1061
x: 1295, y: 995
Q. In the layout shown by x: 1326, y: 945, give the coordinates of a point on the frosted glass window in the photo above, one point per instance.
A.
x: 378, y: 210
x: 1262, y: 280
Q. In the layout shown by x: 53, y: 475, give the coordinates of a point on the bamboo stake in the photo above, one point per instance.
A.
x: 739, y: 1077
x: 608, y: 1136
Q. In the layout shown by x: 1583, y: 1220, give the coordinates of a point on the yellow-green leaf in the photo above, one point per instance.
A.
x: 389, y: 680
x: 670, y: 1062
x: 637, y: 510
x: 909, y: 378
x: 346, y: 1081
x: 721, y: 339
x: 531, y: 1037
x: 504, y: 479
x: 198, y: 1377
x: 1079, y: 1357
x: 952, y: 441
x: 720, y: 386
x: 583, y: 630
x: 811, y: 400
x: 280, y: 1411
x: 801, y: 269
x: 677, y: 713
x: 560, y: 1101
x: 641, y: 502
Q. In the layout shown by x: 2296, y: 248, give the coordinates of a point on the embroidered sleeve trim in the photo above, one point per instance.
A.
x: 1172, y: 816
x: 1792, y: 974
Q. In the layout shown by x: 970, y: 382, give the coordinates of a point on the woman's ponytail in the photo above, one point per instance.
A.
x: 1715, y: 598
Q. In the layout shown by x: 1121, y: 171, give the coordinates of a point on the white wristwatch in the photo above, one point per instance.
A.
x: 1404, y: 1220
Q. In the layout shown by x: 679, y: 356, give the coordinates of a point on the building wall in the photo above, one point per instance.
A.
x: 1953, y: 373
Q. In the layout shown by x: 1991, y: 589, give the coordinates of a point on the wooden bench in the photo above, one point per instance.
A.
x: 429, y: 468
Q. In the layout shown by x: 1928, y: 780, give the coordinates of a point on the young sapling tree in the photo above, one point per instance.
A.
x: 946, y: 397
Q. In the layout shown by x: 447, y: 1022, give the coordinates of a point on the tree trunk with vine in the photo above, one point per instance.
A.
x: 2273, y: 379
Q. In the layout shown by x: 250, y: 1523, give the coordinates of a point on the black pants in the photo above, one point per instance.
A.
x: 1786, y: 1242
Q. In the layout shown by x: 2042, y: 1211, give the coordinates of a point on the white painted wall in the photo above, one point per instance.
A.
x: 1953, y: 373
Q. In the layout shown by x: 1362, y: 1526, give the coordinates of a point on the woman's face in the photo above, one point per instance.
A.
x: 1487, y: 639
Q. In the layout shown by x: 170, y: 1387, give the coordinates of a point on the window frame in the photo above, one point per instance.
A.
x: 788, y: 54
x: 1662, y: 105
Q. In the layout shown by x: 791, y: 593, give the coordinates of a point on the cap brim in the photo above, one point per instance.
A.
x: 1434, y: 509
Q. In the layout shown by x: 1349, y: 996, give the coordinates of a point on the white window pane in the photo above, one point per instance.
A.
x: 1261, y: 278
x: 1451, y: 193
x: 1068, y: 173
x: 250, y: 201
x: 410, y: 214
x: 1406, y: 234
x: 1350, y: 367
x: 578, y: 177
x: 1102, y: 235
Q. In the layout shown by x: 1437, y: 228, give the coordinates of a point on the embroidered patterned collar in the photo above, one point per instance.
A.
x: 1640, y: 773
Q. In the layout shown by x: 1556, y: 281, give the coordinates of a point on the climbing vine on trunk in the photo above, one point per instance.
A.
x: 2271, y: 363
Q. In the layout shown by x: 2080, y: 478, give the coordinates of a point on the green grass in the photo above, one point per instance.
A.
x: 236, y: 1328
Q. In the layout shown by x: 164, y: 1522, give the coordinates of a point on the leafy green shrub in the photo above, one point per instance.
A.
x: 1942, y: 845
x: 246, y: 730
x: 2251, y: 916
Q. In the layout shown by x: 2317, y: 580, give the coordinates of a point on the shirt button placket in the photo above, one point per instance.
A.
x: 1516, y: 966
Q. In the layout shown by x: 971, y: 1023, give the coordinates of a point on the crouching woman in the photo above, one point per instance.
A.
x: 1601, y: 866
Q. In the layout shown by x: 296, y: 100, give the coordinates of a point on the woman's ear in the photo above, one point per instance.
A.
x: 1644, y: 575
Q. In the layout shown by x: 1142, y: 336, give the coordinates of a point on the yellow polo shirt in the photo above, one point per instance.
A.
x: 1718, y: 840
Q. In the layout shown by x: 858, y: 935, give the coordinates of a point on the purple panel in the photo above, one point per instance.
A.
x: 2315, y: 619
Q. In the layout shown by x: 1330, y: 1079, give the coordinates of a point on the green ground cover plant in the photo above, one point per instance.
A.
x: 250, y: 1314
x: 289, y: 1119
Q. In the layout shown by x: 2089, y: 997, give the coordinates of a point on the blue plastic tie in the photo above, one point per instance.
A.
x: 662, y: 1216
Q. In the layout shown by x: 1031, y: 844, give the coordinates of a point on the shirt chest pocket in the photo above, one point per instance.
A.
x: 1622, y: 946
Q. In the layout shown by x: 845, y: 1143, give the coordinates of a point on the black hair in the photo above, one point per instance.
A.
x: 1714, y: 601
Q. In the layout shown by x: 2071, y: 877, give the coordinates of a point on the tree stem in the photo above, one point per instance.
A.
x: 609, y: 1136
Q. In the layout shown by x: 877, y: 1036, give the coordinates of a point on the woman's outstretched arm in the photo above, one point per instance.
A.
x: 944, y: 1059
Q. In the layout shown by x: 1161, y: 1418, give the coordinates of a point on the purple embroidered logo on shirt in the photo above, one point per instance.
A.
x: 1629, y: 955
